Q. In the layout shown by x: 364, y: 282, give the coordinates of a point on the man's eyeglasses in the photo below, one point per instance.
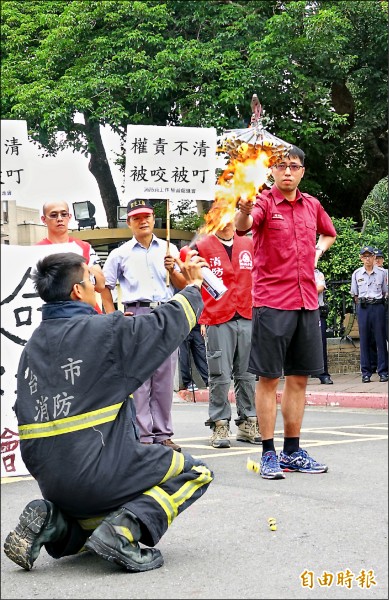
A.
x: 92, y: 279
x: 55, y: 216
x: 283, y: 166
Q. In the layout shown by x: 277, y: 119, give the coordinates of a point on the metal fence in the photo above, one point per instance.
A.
x: 340, y: 302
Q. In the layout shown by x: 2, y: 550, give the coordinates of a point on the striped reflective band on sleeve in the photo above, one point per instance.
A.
x: 186, y: 305
x: 176, y: 466
x: 170, y: 504
x: 69, y: 424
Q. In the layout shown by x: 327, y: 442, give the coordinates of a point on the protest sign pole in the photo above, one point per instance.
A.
x: 167, y: 237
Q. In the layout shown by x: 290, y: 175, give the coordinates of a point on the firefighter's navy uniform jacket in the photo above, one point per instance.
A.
x: 76, y: 420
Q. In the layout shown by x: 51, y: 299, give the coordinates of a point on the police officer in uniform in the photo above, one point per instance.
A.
x: 369, y: 288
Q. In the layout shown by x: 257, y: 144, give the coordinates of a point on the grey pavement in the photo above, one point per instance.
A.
x: 222, y: 546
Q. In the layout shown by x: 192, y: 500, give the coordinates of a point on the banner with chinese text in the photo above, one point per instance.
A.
x: 20, y: 315
x: 170, y: 162
x: 14, y: 159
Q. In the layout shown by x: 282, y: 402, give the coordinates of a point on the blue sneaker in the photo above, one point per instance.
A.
x: 301, y: 462
x: 270, y: 467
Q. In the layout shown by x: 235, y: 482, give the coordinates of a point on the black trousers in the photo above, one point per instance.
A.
x: 156, y: 508
x: 372, y: 328
x: 194, y: 344
x: 323, y: 326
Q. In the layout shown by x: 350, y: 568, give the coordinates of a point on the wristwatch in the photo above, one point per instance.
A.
x: 321, y: 250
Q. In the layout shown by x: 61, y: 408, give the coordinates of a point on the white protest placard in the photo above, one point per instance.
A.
x: 14, y: 159
x: 21, y: 313
x: 170, y: 162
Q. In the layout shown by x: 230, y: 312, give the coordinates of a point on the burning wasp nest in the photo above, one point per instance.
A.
x: 245, y: 144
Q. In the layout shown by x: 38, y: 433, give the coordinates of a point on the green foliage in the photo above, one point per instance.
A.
x: 319, y: 69
x: 186, y: 218
x: 187, y: 222
x: 183, y: 217
x: 376, y: 204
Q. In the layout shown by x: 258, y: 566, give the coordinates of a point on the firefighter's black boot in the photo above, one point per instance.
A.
x: 116, y: 540
x: 40, y: 522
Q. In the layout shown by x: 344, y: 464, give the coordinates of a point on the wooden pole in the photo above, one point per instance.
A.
x: 167, y: 237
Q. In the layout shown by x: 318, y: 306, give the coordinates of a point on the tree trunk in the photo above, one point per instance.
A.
x: 101, y: 171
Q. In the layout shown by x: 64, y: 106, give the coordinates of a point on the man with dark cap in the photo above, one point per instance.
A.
x: 369, y: 288
x: 146, y: 271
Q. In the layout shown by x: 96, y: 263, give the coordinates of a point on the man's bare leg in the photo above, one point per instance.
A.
x: 266, y: 406
x: 293, y: 404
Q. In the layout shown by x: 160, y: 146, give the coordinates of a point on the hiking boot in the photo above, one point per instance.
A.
x: 301, y: 462
x: 221, y: 434
x: 116, y: 540
x: 270, y: 467
x: 40, y: 522
x: 248, y: 431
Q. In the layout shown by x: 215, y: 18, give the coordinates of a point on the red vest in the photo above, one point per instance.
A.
x: 236, y: 275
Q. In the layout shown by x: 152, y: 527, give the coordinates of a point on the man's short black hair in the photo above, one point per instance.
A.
x: 56, y: 274
x: 295, y: 151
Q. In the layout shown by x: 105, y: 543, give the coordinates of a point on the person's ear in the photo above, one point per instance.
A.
x: 76, y: 294
x: 43, y: 219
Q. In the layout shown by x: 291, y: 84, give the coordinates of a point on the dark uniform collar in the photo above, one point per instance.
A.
x: 66, y: 309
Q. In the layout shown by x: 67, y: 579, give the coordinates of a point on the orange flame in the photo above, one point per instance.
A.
x: 243, y: 177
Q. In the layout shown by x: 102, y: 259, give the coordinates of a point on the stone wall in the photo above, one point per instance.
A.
x: 343, y: 356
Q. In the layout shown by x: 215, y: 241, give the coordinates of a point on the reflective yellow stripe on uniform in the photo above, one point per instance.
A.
x: 170, y: 504
x: 186, y: 305
x: 69, y: 424
x: 176, y: 466
x: 165, y: 501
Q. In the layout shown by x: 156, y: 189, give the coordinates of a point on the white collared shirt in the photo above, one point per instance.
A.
x: 140, y: 271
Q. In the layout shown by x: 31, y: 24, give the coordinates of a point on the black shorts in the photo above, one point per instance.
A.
x: 285, y: 342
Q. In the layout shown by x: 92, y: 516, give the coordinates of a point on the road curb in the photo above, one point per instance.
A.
x: 345, y: 400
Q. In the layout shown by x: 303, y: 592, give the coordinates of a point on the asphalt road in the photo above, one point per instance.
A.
x: 332, y: 527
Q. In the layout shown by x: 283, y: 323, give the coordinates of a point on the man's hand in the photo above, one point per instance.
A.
x: 243, y: 218
x: 245, y: 206
x: 169, y: 262
x: 191, y: 268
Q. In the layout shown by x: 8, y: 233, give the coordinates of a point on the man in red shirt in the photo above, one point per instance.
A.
x: 56, y: 217
x: 286, y: 334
